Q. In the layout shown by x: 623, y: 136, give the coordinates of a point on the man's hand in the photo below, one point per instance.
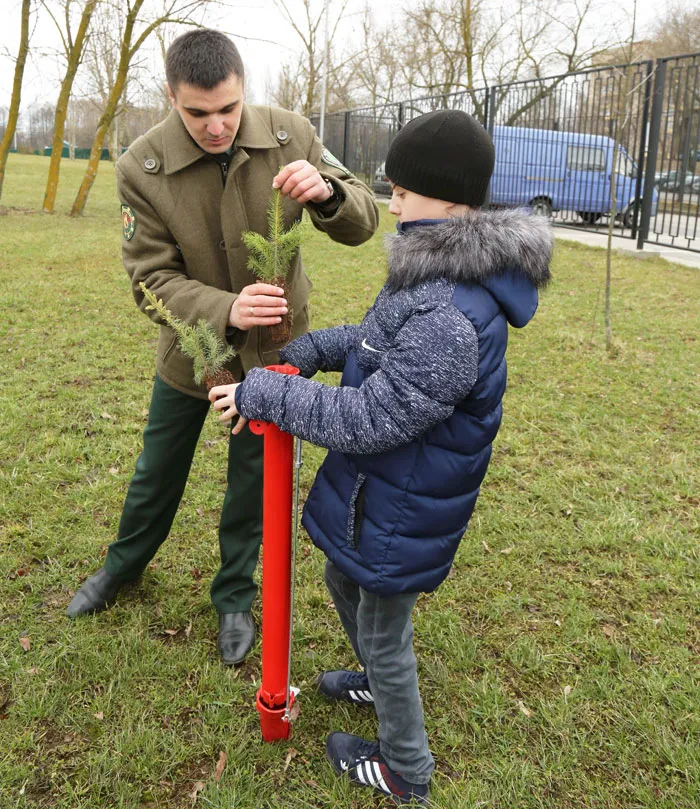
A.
x: 224, y: 398
x: 257, y: 305
x: 301, y: 181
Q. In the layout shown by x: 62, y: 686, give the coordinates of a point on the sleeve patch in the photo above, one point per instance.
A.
x: 330, y: 160
x: 128, y: 222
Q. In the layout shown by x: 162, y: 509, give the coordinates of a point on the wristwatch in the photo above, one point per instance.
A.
x: 328, y: 207
x: 331, y: 188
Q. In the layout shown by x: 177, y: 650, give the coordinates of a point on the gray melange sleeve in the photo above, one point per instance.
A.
x: 322, y: 350
x: 432, y: 366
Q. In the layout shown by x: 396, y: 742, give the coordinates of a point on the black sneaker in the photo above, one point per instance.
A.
x: 363, y: 762
x: 348, y: 686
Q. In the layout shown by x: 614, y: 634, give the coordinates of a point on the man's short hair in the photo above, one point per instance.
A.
x: 203, y: 58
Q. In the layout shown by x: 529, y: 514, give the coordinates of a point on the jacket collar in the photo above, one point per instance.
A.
x: 470, y: 249
x: 404, y: 227
x: 180, y: 151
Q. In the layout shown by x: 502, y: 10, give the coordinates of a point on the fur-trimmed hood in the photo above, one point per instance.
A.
x: 471, y: 249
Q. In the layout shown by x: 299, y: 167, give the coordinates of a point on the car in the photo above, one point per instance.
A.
x: 381, y: 184
x: 670, y: 180
x: 554, y: 170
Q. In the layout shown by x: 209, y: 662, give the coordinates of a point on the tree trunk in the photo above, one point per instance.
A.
x: 125, y: 55
x: 114, y: 141
x: 74, y: 58
x: 16, y: 91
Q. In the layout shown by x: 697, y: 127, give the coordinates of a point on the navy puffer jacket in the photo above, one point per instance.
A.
x: 411, y: 427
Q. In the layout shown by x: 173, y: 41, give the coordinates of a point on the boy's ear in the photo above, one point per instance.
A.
x: 171, y: 95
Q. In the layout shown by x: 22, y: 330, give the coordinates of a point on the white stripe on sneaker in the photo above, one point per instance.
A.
x: 360, y: 774
x: 360, y: 696
x: 380, y: 778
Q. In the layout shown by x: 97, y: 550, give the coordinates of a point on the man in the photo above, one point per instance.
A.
x: 189, y: 187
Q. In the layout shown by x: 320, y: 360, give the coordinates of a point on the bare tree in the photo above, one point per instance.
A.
x: 73, y: 48
x: 299, y: 81
x: 101, y: 64
x: 676, y: 32
x: 131, y: 39
x: 16, y: 91
x: 454, y: 46
x: 376, y: 68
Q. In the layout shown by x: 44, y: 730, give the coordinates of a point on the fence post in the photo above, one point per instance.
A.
x: 402, y: 115
x: 488, y: 126
x: 657, y: 104
x: 346, y: 137
x: 642, y: 149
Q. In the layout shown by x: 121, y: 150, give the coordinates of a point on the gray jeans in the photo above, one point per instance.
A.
x: 381, y: 633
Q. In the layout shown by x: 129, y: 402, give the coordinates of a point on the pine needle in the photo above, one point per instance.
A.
x: 200, y: 342
x: 270, y: 258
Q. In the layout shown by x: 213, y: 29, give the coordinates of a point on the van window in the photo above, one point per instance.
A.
x: 585, y: 158
x: 625, y: 167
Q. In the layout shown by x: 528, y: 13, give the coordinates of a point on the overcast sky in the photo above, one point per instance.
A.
x: 257, y: 19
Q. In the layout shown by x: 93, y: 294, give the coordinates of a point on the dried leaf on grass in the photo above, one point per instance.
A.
x: 198, y: 787
x: 290, y: 755
x: 294, y: 712
x: 220, y: 766
x: 525, y: 710
x: 25, y: 643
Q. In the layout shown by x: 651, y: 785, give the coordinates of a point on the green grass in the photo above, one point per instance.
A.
x: 559, y: 661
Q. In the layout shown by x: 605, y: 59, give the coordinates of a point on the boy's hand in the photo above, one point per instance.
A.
x: 224, y: 398
x: 301, y: 181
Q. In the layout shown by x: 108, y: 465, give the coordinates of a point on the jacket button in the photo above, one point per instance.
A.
x: 149, y: 164
x: 222, y: 244
x: 282, y: 136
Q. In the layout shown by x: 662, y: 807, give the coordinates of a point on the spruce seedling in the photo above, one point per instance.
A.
x: 271, y: 258
x: 200, y: 343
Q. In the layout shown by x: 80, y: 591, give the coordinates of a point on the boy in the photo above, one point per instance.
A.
x: 410, y: 429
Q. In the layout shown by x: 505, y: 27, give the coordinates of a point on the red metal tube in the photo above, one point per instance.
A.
x: 278, y: 450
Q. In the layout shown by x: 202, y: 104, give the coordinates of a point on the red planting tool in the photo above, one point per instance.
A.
x: 275, y: 697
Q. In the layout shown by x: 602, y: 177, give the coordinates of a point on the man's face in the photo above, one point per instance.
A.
x: 212, y: 117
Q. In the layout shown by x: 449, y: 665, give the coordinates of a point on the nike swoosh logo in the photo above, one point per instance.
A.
x: 369, y: 347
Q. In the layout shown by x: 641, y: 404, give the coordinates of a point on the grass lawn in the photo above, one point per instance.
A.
x: 558, y: 663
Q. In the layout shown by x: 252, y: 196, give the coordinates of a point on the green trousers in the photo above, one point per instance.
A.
x: 175, y: 421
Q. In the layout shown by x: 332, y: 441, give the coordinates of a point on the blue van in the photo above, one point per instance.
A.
x: 562, y: 171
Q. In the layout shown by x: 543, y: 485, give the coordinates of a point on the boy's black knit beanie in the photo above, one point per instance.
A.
x: 446, y: 155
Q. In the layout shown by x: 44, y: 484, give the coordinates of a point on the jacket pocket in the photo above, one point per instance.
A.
x: 356, y: 509
x: 170, y: 347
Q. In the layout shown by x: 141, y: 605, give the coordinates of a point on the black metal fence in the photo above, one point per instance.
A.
x: 578, y: 147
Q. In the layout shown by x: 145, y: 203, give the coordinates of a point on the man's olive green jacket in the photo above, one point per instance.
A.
x: 182, y: 227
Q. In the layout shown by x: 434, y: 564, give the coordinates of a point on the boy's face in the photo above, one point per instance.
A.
x: 212, y: 117
x: 409, y: 206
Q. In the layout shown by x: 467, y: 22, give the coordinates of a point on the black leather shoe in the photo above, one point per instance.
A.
x: 236, y: 636
x: 96, y: 594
